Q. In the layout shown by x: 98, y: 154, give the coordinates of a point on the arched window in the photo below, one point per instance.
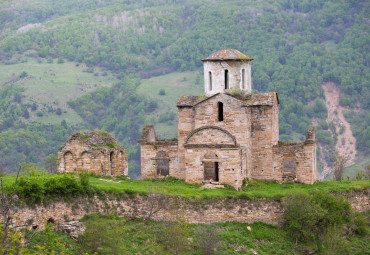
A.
x: 220, y: 111
x: 243, y: 78
x: 226, y: 79
x: 210, y: 81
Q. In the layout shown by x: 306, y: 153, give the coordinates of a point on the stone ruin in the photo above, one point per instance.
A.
x: 228, y: 134
x: 96, y: 152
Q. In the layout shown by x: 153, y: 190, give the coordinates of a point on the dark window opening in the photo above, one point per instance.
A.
x: 226, y: 79
x: 210, y: 81
x: 220, y: 111
x: 216, y: 171
x: 243, y: 79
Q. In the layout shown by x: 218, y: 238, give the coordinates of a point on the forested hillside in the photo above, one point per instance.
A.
x: 297, y: 45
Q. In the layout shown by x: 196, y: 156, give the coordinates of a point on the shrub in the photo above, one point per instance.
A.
x: 310, y: 217
x: 34, y: 189
x: 30, y: 188
x: 360, y: 225
x: 162, y: 92
x: 24, y: 74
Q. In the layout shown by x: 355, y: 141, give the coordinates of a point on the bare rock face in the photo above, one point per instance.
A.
x: 96, y: 152
x: 73, y: 228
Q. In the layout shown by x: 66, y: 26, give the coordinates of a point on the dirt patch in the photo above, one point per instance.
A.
x: 346, y: 143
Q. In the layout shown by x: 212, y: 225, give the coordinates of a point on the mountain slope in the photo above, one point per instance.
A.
x: 297, y: 45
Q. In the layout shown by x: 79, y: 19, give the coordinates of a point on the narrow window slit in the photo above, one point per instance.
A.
x: 226, y: 79
x: 220, y: 111
x: 210, y: 80
x: 243, y: 78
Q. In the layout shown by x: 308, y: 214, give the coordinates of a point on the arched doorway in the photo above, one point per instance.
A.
x: 163, y: 163
x: 112, y: 163
x: 211, y: 167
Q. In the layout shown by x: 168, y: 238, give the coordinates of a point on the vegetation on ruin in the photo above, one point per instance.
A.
x: 297, y: 45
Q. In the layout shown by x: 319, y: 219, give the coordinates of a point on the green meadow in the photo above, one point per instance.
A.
x: 52, y: 85
x: 174, y: 86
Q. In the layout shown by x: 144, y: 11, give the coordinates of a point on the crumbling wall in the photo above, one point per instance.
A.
x: 302, y: 154
x: 89, y: 152
x: 194, y: 210
x: 156, y: 154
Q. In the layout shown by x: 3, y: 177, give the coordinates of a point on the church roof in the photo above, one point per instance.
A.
x: 247, y: 100
x: 227, y: 54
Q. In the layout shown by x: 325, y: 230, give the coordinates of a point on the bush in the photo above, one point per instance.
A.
x: 30, y: 188
x: 309, y: 218
x: 162, y: 92
x: 360, y: 225
x: 24, y: 74
x: 35, y: 188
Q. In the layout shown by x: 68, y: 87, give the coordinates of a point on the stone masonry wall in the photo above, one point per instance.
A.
x: 236, y: 122
x: 229, y: 160
x: 263, y: 138
x: 76, y: 156
x: 217, y: 69
x: 304, y: 156
x: 194, y: 210
x: 150, y: 150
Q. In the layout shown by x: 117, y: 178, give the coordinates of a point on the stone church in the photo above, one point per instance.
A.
x: 229, y: 134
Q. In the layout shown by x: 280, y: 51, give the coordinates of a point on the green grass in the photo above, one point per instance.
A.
x: 110, y: 234
x: 52, y: 85
x: 175, y: 85
x: 122, y: 236
x: 255, y: 189
x: 115, y: 235
x: 352, y: 171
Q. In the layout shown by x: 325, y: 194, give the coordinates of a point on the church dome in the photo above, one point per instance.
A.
x: 227, y: 54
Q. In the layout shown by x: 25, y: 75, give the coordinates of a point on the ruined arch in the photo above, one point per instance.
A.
x: 85, y: 160
x: 69, y: 162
